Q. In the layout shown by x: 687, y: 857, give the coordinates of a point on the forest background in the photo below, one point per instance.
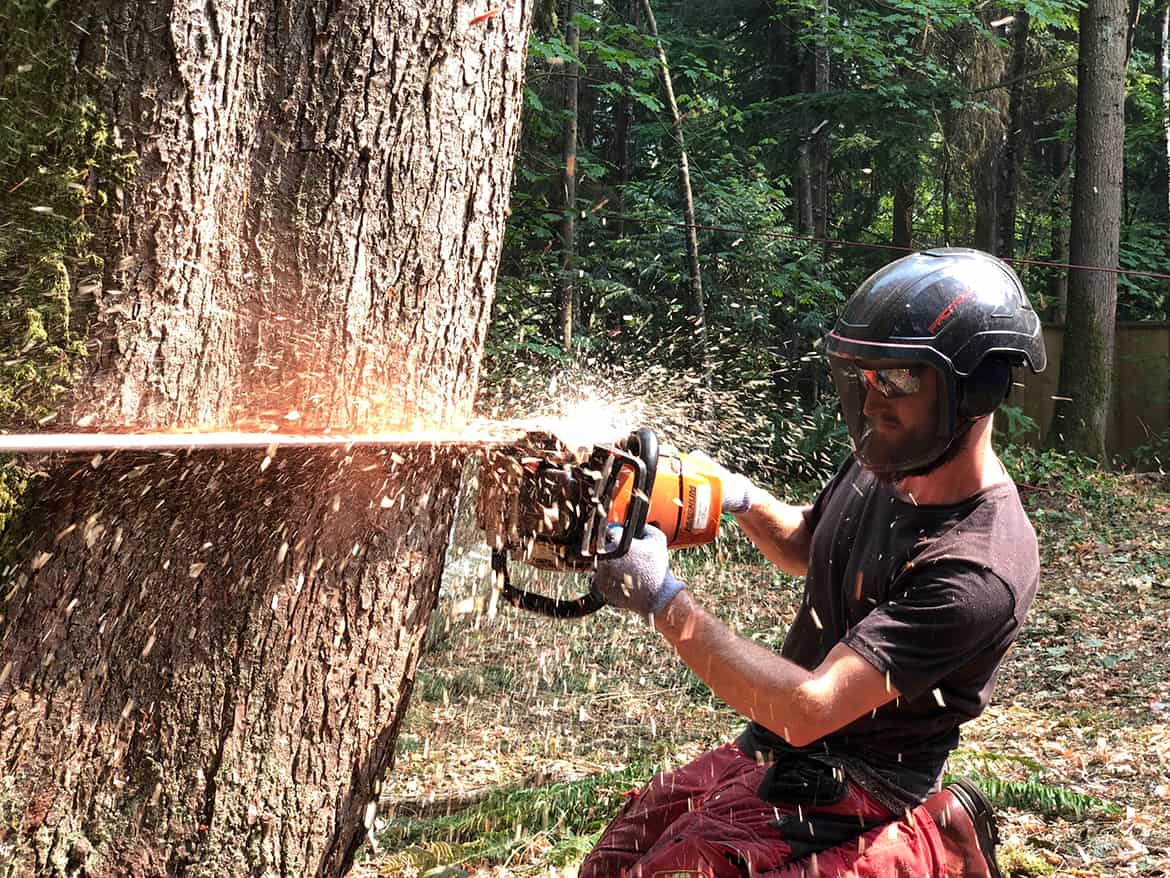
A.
x: 716, y: 229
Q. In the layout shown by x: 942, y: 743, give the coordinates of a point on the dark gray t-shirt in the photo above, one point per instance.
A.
x: 932, y: 596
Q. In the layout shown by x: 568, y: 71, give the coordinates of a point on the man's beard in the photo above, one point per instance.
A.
x: 959, y: 441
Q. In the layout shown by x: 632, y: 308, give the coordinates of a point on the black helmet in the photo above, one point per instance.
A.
x: 962, y: 313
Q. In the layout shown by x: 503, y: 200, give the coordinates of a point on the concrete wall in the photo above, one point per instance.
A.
x: 1141, y: 384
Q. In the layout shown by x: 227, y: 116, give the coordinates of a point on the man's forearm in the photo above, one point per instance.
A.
x: 757, y: 682
x: 779, y: 532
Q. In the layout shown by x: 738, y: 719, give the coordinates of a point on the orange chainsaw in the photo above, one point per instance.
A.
x: 551, y: 508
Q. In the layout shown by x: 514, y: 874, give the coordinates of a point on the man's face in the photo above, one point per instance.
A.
x: 893, y: 410
x: 900, y: 405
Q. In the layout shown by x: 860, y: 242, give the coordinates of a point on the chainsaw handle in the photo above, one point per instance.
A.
x: 642, y: 444
x: 557, y: 608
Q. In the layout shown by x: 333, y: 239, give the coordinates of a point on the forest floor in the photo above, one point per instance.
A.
x: 523, y: 733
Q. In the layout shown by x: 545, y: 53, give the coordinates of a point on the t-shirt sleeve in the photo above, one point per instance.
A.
x: 941, y: 617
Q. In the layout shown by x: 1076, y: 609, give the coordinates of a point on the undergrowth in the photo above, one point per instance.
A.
x: 562, y: 820
x: 1035, y: 793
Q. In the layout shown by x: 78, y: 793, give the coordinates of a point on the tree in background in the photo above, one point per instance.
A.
x: 1081, y: 414
x: 1163, y: 68
x: 1015, y: 139
x: 289, y: 216
x: 569, y: 295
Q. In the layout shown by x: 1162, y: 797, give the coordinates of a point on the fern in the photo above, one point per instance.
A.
x: 1036, y: 795
x: 565, y: 818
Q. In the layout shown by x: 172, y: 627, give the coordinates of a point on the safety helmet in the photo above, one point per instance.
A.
x: 960, y: 312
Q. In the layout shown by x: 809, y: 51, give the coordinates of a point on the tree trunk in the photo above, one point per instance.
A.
x: 819, y: 152
x: 904, y: 213
x: 812, y: 155
x: 1164, y: 73
x: 204, y: 658
x: 946, y: 197
x: 806, y: 224
x: 983, y: 185
x: 696, y: 306
x: 1007, y: 198
x: 1081, y: 412
x: 568, y: 285
x: 1059, y: 230
x: 624, y: 112
x: 978, y: 128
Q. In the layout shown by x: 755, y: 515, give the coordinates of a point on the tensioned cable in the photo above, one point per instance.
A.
x: 841, y: 242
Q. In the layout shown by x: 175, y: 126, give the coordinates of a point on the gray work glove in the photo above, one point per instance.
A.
x: 738, y: 491
x: 640, y: 580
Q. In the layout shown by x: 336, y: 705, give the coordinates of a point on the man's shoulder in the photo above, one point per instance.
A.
x: 993, y: 533
x: 851, y: 476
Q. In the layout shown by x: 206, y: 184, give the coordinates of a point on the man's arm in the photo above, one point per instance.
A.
x: 799, y: 705
x: 778, y: 530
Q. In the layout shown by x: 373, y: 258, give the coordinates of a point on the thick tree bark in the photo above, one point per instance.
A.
x: 1082, y: 409
x: 1059, y: 230
x: 569, y: 301
x: 1164, y: 75
x: 204, y: 659
x: 904, y: 212
x: 1011, y: 160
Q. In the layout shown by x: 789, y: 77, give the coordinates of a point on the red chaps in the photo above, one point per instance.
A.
x: 704, y: 820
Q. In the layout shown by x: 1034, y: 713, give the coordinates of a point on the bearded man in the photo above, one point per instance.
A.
x: 920, y: 565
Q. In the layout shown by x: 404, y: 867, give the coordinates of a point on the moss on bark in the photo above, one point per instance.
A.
x: 60, y: 173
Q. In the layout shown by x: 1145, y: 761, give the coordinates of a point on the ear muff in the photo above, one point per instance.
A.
x: 984, y: 389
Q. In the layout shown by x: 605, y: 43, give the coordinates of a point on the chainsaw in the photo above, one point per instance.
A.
x: 551, y: 507
x: 539, y: 499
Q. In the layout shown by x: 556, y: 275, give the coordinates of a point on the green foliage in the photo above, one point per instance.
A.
x: 1154, y: 454
x: 1013, y: 426
x: 1031, y: 465
x: 1145, y: 247
x: 1019, y: 862
x: 59, y: 169
x: 1035, y: 793
x: 1064, y: 471
x: 568, y: 815
x: 1057, y: 14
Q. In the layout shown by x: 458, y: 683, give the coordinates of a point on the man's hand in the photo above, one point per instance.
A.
x: 640, y: 580
x: 738, y: 491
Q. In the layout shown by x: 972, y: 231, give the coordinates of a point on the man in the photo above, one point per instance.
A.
x: 920, y: 565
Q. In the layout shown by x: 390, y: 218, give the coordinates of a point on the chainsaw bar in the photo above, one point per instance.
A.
x: 73, y: 443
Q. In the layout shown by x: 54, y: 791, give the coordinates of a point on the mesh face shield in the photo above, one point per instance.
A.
x: 900, y: 415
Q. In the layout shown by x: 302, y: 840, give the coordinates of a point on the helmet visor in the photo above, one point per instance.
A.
x: 894, y: 411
